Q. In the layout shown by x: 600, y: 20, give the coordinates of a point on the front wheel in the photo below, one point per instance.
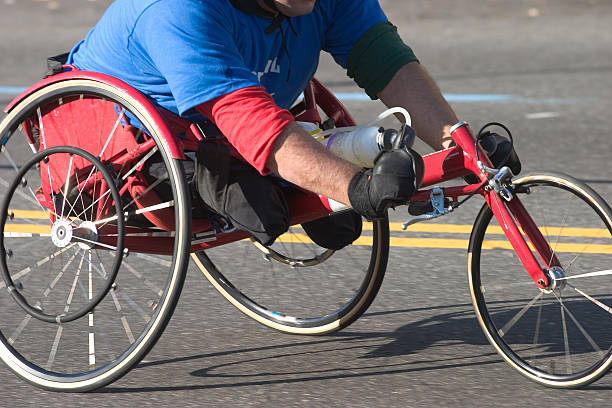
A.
x: 560, y: 337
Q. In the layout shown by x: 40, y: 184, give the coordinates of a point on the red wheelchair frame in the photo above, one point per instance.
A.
x: 440, y: 166
x: 128, y: 147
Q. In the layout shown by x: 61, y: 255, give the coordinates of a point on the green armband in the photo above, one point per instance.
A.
x: 376, y: 56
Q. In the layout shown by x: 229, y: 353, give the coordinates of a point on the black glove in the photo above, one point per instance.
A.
x: 499, y: 148
x: 500, y: 152
x: 396, y: 176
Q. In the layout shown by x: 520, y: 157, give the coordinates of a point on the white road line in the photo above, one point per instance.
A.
x: 542, y: 115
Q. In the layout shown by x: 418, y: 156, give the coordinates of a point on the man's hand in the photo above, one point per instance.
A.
x: 396, y: 176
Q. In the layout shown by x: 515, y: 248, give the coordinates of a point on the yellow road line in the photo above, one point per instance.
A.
x: 29, y: 214
x: 414, y: 242
x: 28, y: 228
x: 447, y: 243
x: 466, y: 229
x: 440, y: 243
x: 421, y: 227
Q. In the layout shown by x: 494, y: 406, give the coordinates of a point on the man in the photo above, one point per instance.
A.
x: 242, y: 63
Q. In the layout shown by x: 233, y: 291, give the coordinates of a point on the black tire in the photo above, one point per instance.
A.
x: 296, y: 286
x: 560, y: 338
x: 110, y: 339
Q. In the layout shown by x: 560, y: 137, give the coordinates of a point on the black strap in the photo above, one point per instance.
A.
x: 253, y: 7
x: 209, y: 131
x: 55, y: 64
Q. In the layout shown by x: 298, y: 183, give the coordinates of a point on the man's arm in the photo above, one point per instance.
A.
x: 414, y: 90
x: 299, y: 158
x: 270, y: 140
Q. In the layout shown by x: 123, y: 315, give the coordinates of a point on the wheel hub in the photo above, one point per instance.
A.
x: 556, y: 277
x: 88, y: 231
x: 61, y: 233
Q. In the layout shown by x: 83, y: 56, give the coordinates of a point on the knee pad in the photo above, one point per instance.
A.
x: 335, y: 231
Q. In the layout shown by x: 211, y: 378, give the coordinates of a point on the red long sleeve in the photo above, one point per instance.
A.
x: 250, y: 120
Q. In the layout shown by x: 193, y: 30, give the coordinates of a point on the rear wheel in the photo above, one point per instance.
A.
x: 95, y: 310
x: 561, y: 337
x: 297, y: 287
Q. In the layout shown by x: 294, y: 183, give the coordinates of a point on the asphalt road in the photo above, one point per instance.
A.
x: 542, y: 67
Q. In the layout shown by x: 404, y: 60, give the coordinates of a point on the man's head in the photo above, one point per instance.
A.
x: 290, y: 8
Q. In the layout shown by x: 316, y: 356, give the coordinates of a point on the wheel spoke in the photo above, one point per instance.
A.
x: 144, y: 280
x: 554, y: 249
x: 41, y: 262
x: 28, y: 197
x: 93, y: 204
x: 568, y: 356
x: 588, y: 275
x: 595, y: 301
x: 67, y: 184
x: 536, y: 335
x: 110, y: 136
x: 96, y: 243
x: 140, y: 162
x: 79, y: 195
x: 100, y: 272
x: 152, y: 208
x: 124, y: 321
x: 149, y: 188
x: 132, y: 304
x: 51, y: 189
x: 74, y: 285
x: 90, y: 315
x: 15, y: 334
x: 582, y: 329
x: 35, y: 201
x: 506, y: 328
x: 60, y: 274
x: 53, y: 352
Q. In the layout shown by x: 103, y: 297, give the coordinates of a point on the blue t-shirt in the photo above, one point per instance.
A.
x: 182, y: 53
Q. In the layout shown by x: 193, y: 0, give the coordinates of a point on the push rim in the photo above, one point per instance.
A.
x: 64, y: 231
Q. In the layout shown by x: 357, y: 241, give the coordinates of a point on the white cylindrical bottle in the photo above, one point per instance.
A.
x: 359, y: 146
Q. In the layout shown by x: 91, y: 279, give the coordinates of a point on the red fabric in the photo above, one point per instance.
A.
x: 250, y: 119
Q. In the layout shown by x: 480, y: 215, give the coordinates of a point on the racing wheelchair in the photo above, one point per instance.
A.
x: 99, y: 221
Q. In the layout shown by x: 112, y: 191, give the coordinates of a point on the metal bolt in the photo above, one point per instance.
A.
x: 541, y: 282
